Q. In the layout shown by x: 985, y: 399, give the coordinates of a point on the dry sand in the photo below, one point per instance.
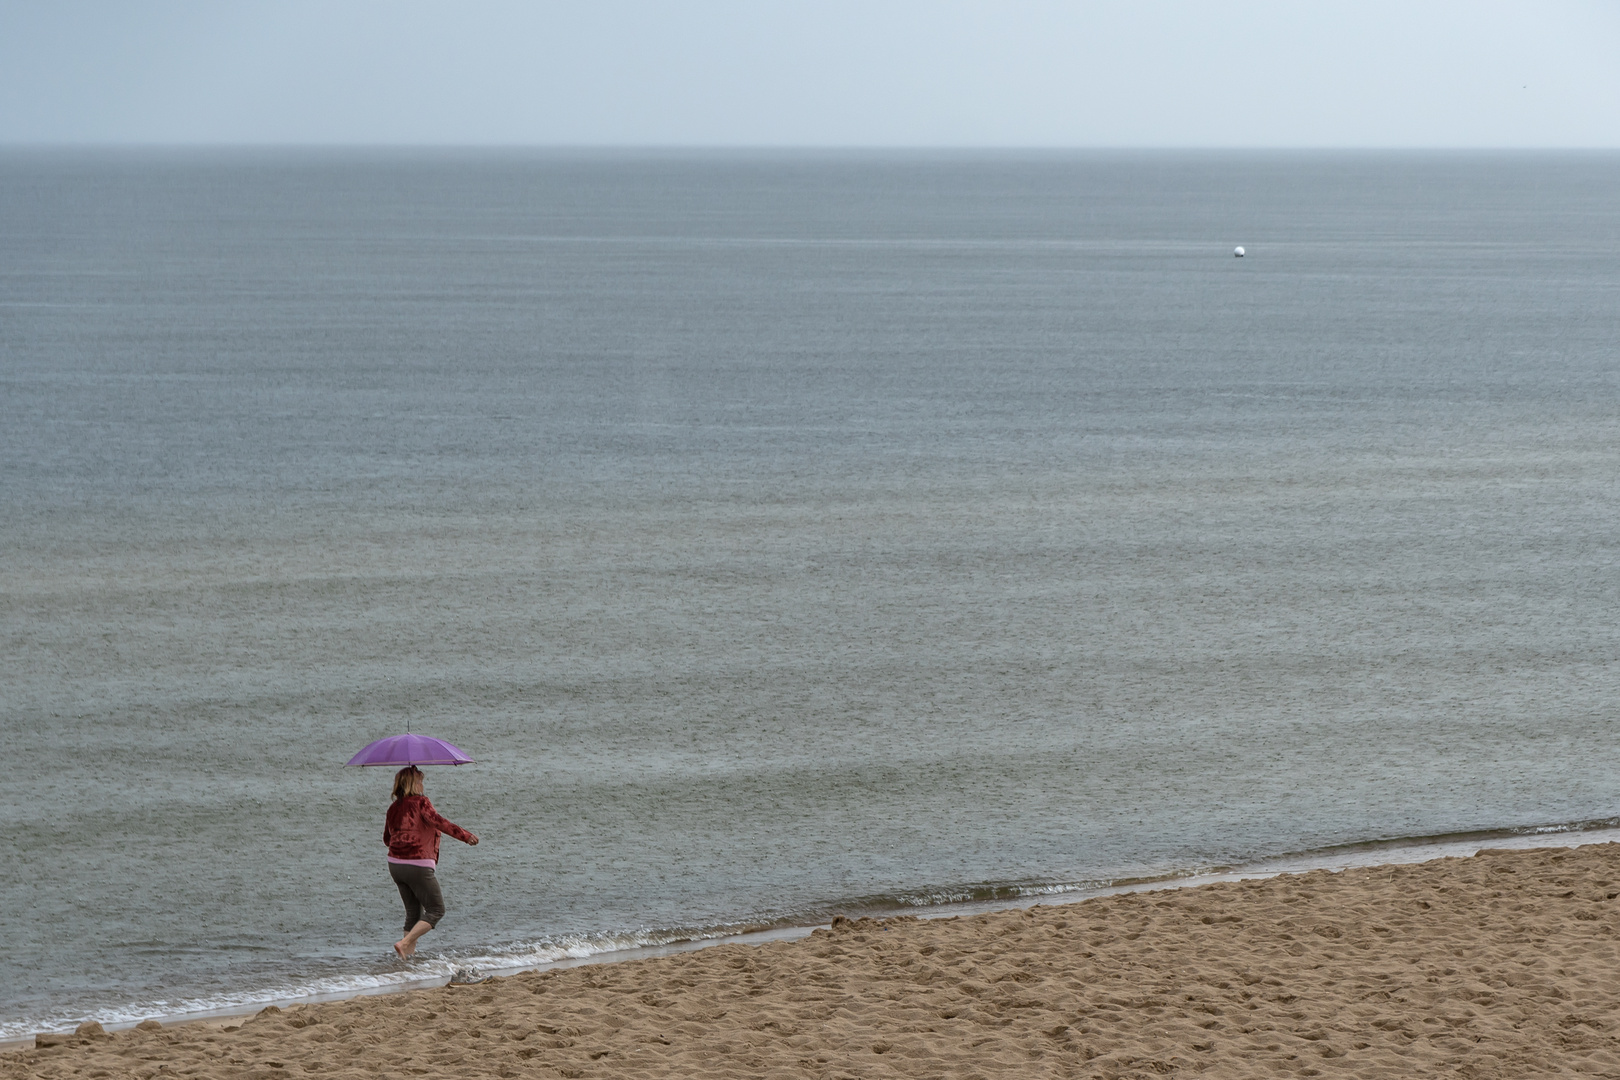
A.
x: 1506, y: 964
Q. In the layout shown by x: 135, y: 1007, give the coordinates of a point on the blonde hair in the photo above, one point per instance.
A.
x: 408, y: 781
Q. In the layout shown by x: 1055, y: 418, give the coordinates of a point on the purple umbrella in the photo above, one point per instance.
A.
x: 397, y: 751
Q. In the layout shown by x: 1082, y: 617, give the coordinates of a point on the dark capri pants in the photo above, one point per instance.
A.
x: 419, y: 888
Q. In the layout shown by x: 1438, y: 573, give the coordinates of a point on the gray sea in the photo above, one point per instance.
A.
x: 785, y: 534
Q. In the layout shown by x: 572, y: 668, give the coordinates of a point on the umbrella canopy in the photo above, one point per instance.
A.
x: 397, y: 751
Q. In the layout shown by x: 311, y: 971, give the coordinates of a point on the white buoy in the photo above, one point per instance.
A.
x: 1237, y: 252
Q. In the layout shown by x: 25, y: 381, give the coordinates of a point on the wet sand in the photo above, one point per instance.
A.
x: 1506, y: 964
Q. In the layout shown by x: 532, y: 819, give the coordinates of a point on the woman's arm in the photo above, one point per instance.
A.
x: 449, y: 828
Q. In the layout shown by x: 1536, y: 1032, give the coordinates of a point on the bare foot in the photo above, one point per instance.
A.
x: 400, y: 951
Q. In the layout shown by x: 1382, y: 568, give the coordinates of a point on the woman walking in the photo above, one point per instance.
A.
x: 412, y: 834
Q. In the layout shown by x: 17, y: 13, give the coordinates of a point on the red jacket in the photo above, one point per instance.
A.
x: 412, y: 829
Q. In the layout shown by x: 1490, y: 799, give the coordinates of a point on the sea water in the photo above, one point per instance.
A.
x: 784, y: 535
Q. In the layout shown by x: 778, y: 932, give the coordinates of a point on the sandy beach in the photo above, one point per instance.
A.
x: 1499, y: 965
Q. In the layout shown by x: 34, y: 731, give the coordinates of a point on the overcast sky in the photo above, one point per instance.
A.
x: 1481, y: 73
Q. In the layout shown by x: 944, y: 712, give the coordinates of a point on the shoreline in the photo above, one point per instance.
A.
x: 1495, y: 966
x: 1361, y: 855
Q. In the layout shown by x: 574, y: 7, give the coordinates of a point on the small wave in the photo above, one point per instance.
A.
x: 1467, y: 836
x: 521, y: 956
x: 991, y: 892
x: 1428, y: 845
x: 425, y: 970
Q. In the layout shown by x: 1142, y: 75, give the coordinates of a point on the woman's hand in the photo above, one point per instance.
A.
x: 474, y: 839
